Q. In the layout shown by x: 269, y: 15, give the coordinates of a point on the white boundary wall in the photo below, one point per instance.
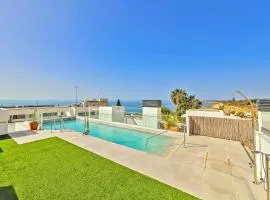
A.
x: 112, y: 114
x: 118, y: 114
x: 3, y: 121
x: 105, y: 113
x: 263, y: 120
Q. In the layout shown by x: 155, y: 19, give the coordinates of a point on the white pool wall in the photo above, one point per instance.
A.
x: 105, y: 113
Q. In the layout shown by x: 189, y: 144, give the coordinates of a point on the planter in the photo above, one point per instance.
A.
x: 33, y: 125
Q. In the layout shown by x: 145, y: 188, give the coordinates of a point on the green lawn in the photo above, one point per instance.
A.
x: 55, y: 169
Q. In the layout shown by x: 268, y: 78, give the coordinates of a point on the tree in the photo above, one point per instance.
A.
x: 183, y: 101
x: 118, y: 102
x: 175, y: 96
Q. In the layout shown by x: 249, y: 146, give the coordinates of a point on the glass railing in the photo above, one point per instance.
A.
x: 266, y: 131
x: 166, y: 122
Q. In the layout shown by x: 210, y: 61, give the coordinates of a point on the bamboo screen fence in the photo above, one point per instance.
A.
x: 230, y: 129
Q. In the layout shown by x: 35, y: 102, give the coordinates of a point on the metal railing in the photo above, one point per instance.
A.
x: 153, y: 136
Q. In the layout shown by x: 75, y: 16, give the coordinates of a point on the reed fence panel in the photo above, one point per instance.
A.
x: 230, y: 129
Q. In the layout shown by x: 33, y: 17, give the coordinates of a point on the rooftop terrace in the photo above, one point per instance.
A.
x: 207, y: 168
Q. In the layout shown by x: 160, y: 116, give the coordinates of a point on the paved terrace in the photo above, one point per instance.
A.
x: 208, y: 168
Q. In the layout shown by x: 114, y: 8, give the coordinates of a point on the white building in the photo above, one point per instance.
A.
x: 263, y: 142
x: 26, y: 113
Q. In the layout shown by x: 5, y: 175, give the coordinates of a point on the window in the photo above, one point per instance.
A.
x: 50, y: 114
x: 30, y: 116
x: 18, y: 117
x: 83, y: 114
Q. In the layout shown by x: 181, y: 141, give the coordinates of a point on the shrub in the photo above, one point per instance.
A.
x: 240, y: 114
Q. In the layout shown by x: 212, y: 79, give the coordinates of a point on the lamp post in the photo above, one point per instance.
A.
x: 76, y: 88
x: 86, y: 119
x: 253, y: 117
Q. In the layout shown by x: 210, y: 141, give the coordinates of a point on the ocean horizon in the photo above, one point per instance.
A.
x: 131, y: 106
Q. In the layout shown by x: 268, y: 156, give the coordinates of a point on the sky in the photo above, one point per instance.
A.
x: 134, y: 49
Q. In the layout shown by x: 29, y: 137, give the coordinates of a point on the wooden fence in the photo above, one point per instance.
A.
x: 230, y: 129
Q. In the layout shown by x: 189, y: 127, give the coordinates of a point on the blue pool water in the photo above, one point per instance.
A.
x: 130, y: 138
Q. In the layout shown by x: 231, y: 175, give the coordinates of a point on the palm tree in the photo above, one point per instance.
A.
x: 183, y: 101
x: 176, y: 95
x: 193, y: 102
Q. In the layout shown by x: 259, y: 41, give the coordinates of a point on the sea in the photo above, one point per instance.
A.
x: 131, y: 106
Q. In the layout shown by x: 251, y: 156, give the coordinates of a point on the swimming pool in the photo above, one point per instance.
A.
x: 130, y: 138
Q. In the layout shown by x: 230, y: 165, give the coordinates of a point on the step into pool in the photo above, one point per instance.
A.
x: 139, y: 140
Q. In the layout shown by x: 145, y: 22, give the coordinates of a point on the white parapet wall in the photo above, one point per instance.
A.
x: 3, y: 121
x: 118, y: 114
x: 105, y: 113
x: 263, y: 120
x: 262, y: 144
x: 262, y: 149
x: 205, y: 113
x: 151, y: 117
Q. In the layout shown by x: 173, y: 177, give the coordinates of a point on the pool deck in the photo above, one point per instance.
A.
x: 207, y: 168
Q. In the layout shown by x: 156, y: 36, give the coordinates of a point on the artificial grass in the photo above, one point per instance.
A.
x: 55, y: 169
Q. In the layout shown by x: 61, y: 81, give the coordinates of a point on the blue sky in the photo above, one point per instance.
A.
x: 134, y: 49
